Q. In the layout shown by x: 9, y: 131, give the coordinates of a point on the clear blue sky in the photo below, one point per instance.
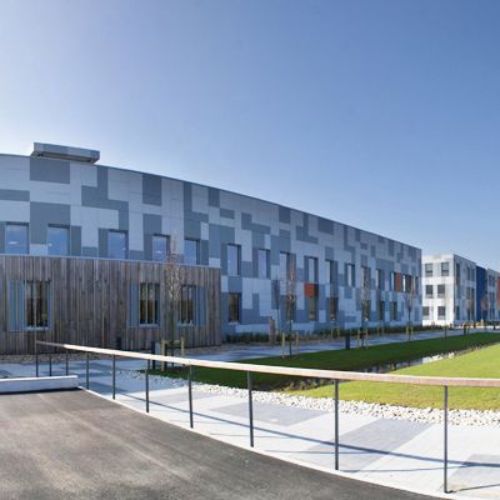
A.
x: 380, y: 114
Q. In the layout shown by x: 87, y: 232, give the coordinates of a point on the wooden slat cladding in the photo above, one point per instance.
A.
x: 89, y: 302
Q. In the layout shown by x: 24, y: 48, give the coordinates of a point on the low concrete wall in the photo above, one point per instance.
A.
x: 36, y: 384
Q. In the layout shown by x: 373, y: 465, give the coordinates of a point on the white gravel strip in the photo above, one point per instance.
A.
x: 423, y: 415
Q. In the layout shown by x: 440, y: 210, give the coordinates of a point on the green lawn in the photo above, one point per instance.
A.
x: 355, y: 359
x: 484, y: 362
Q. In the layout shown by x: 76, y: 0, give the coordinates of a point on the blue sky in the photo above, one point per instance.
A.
x: 381, y: 114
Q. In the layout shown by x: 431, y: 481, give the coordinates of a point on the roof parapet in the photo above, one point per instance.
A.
x: 54, y: 151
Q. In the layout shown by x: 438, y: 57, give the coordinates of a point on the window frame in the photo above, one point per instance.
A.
x: 151, y: 301
x: 31, y: 300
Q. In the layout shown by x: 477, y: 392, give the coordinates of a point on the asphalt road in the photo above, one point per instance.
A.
x: 71, y: 444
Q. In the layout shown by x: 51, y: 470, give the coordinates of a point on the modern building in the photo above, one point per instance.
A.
x: 456, y: 290
x: 91, y: 228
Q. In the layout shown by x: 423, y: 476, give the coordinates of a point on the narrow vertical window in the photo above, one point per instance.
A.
x: 37, y: 304
x: 160, y: 247
x: 191, y: 252
x: 234, y: 308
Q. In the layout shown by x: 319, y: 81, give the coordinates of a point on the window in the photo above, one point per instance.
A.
x: 331, y: 271
x: 445, y: 268
x: 407, y: 283
x: 428, y: 270
x: 429, y: 291
x: 160, y: 247
x: 381, y: 310
x: 425, y: 312
x: 441, y: 291
x: 457, y: 312
x: 380, y: 279
x: 149, y: 309
x: 58, y: 240
x: 441, y: 312
x: 191, y: 252
x: 287, y: 270
x: 333, y: 305
x: 263, y: 263
x: 117, y: 245
x: 234, y: 307
x: 394, y: 311
x: 233, y: 260
x: 311, y: 265
x: 187, y: 305
x: 37, y: 304
x: 350, y: 275
x: 16, y: 239
x: 457, y: 273
x: 312, y: 308
x: 365, y: 276
x: 367, y: 309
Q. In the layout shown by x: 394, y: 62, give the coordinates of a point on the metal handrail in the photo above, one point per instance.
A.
x: 335, y: 375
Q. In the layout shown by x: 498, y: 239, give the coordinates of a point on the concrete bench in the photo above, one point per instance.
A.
x: 36, y: 384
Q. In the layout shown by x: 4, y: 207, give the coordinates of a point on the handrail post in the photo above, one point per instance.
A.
x: 190, y: 390
x: 36, y: 363
x: 147, y: 386
x: 67, y: 362
x: 50, y: 364
x: 445, y: 421
x: 336, y: 409
x: 250, y: 407
x: 114, y: 377
x: 87, y: 376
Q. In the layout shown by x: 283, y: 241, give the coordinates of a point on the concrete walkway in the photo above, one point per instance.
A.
x: 395, y: 453
x: 237, y: 352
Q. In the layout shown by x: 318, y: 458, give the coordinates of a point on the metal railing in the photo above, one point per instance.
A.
x: 335, y: 375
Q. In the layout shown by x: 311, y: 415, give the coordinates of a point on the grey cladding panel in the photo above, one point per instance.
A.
x: 49, y: 170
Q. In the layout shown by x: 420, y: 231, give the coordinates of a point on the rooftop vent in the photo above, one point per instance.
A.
x: 41, y: 150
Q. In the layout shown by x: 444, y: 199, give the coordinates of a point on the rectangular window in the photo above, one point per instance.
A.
x: 429, y: 291
x: 381, y: 310
x: 311, y: 265
x: 149, y: 310
x: 457, y: 273
x: 350, y: 275
x: 365, y: 277
x: 263, y: 263
x: 117, y: 244
x: 428, y: 270
x: 233, y: 260
x: 333, y: 305
x: 58, y: 240
x: 445, y: 268
x: 160, y: 247
x: 441, y: 291
x: 457, y: 312
x: 37, y: 304
x: 191, y: 252
x: 16, y: 239
x: 187, y: 305
x: 367, y: 310
x: 312, y: 308
x: 407, y: 283
x: 287, y: 270
x: 394, y: 311
x: 425, y: 312
x: 331, y: 271
x: 380, y: 279
x: 441, y: 312
x: 234, y: 307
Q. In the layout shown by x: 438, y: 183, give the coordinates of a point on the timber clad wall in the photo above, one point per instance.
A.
x: 90, y: 301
